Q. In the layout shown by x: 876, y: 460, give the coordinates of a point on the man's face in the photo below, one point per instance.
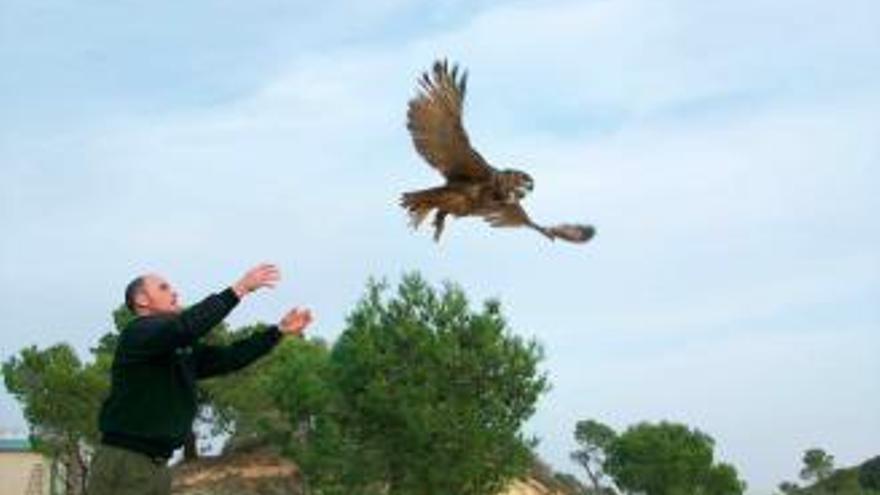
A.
x: 156, y: 297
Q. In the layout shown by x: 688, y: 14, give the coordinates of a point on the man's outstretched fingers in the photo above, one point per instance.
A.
x: 295, y: 321
x: 262, y: 275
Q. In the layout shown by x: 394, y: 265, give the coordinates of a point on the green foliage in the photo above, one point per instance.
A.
x: 122, y: 316
x: 842, y: 482
x: 107, y: 343
x: 594, y: 439
x: 669, y: 459
x: 593, y: 435
x: 839, y: 482
x: 869, y: 474
x: 789, y: 488
x: 818, y: 465
x: 268, y: 401
x: 420, y: 394
x: 723, y: 479
x: 61, y: 398
x: 303, y: 390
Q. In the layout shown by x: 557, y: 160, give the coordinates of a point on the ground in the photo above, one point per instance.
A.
x: 264, y: 473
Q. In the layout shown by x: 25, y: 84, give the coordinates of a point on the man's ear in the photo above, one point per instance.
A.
x: 141, y: 300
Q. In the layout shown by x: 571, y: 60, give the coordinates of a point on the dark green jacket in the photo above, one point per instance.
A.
x: 152, y: 401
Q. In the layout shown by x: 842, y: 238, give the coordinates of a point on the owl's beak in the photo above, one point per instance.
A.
x: 527, y: 186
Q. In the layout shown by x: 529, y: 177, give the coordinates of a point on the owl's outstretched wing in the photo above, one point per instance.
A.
x: 513, y: 215
x: 434, y: 120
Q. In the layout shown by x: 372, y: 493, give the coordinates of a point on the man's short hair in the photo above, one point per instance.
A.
x: 131, y: 290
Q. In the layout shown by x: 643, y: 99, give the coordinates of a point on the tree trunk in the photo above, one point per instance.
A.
x: 190, y: 447
x: 69, y: 483
x: 53, y: 476
x: 83, y: 467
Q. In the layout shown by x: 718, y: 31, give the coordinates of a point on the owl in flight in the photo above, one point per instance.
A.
x: 473, y: 187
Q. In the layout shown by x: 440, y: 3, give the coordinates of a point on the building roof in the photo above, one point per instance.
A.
x: 15, y: 445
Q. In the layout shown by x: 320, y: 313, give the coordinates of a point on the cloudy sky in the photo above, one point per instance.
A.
x: 726, y: 151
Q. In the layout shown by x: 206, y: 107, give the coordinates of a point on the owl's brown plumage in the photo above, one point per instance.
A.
x: 473, y: 187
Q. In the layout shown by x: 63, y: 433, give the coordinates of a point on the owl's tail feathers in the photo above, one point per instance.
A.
x: 418, y: 204
x: 572, y: 232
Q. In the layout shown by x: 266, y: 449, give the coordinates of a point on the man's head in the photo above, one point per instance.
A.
x: 149, y: 295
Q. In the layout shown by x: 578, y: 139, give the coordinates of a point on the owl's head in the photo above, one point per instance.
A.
x: 515, y: 184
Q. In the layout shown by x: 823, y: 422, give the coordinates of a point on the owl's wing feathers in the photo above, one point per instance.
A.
x: 572, y: 232
x: 513, y: 215
x: 510, y: 215
x: 435, y: 123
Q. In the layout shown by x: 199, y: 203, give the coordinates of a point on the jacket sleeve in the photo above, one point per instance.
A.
x: 218, y: 360
x: 162, y: 334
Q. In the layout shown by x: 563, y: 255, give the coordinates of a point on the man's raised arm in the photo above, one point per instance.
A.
x: 160, y: 334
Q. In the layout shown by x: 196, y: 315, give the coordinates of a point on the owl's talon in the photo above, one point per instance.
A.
x: 439, y: 219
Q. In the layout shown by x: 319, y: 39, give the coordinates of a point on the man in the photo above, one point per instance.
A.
x: 152, y: 401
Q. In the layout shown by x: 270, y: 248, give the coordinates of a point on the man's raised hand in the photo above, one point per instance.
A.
x: 295, y: 321
x: 264, y: 275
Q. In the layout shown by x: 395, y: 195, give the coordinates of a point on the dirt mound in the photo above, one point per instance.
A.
x: 252, y: 473
x: 530, y: 487
x: 265, y: 473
